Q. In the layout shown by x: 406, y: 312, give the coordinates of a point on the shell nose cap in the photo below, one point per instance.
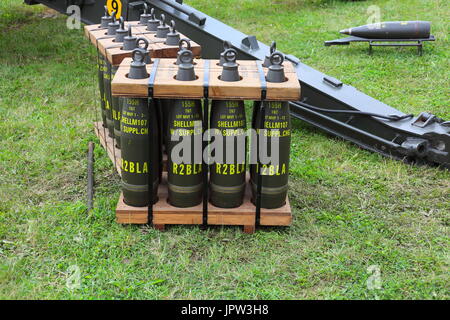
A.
x: 346, y: 31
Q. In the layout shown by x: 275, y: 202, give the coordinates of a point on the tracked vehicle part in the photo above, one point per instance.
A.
x: 185, y: 177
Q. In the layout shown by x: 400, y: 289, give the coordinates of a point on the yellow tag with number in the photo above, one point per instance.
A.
x: 114, y: 5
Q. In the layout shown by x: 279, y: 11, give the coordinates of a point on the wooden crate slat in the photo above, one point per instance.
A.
x: 162, y: 50
x: 123, y: 86
x: 165, y: 82
x: 165, y: 214
x: 248, y: 88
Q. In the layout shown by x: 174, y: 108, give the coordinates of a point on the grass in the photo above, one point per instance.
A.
x: 352, y: 209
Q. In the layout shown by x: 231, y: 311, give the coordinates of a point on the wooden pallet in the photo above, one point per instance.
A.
x: 165, y: 214
x: 166, y: 86
x: 115, y: 54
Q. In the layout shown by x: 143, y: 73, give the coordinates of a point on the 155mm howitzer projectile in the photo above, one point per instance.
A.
x: 227, y: 176
x: 392, y: 30
x: 137, y: 121
x: 276, y: 127
x: 184, y: 123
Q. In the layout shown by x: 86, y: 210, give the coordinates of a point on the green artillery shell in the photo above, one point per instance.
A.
x: 116, y: 114
x: 274, y: 175
x: 185, y: 177
x: 134, y: 163
x: 101, y: 86
x: 392, y: 30
x: 107, y: 75
x: 227, y: 177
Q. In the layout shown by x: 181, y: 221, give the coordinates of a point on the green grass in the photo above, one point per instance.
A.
x: 352, y: 208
